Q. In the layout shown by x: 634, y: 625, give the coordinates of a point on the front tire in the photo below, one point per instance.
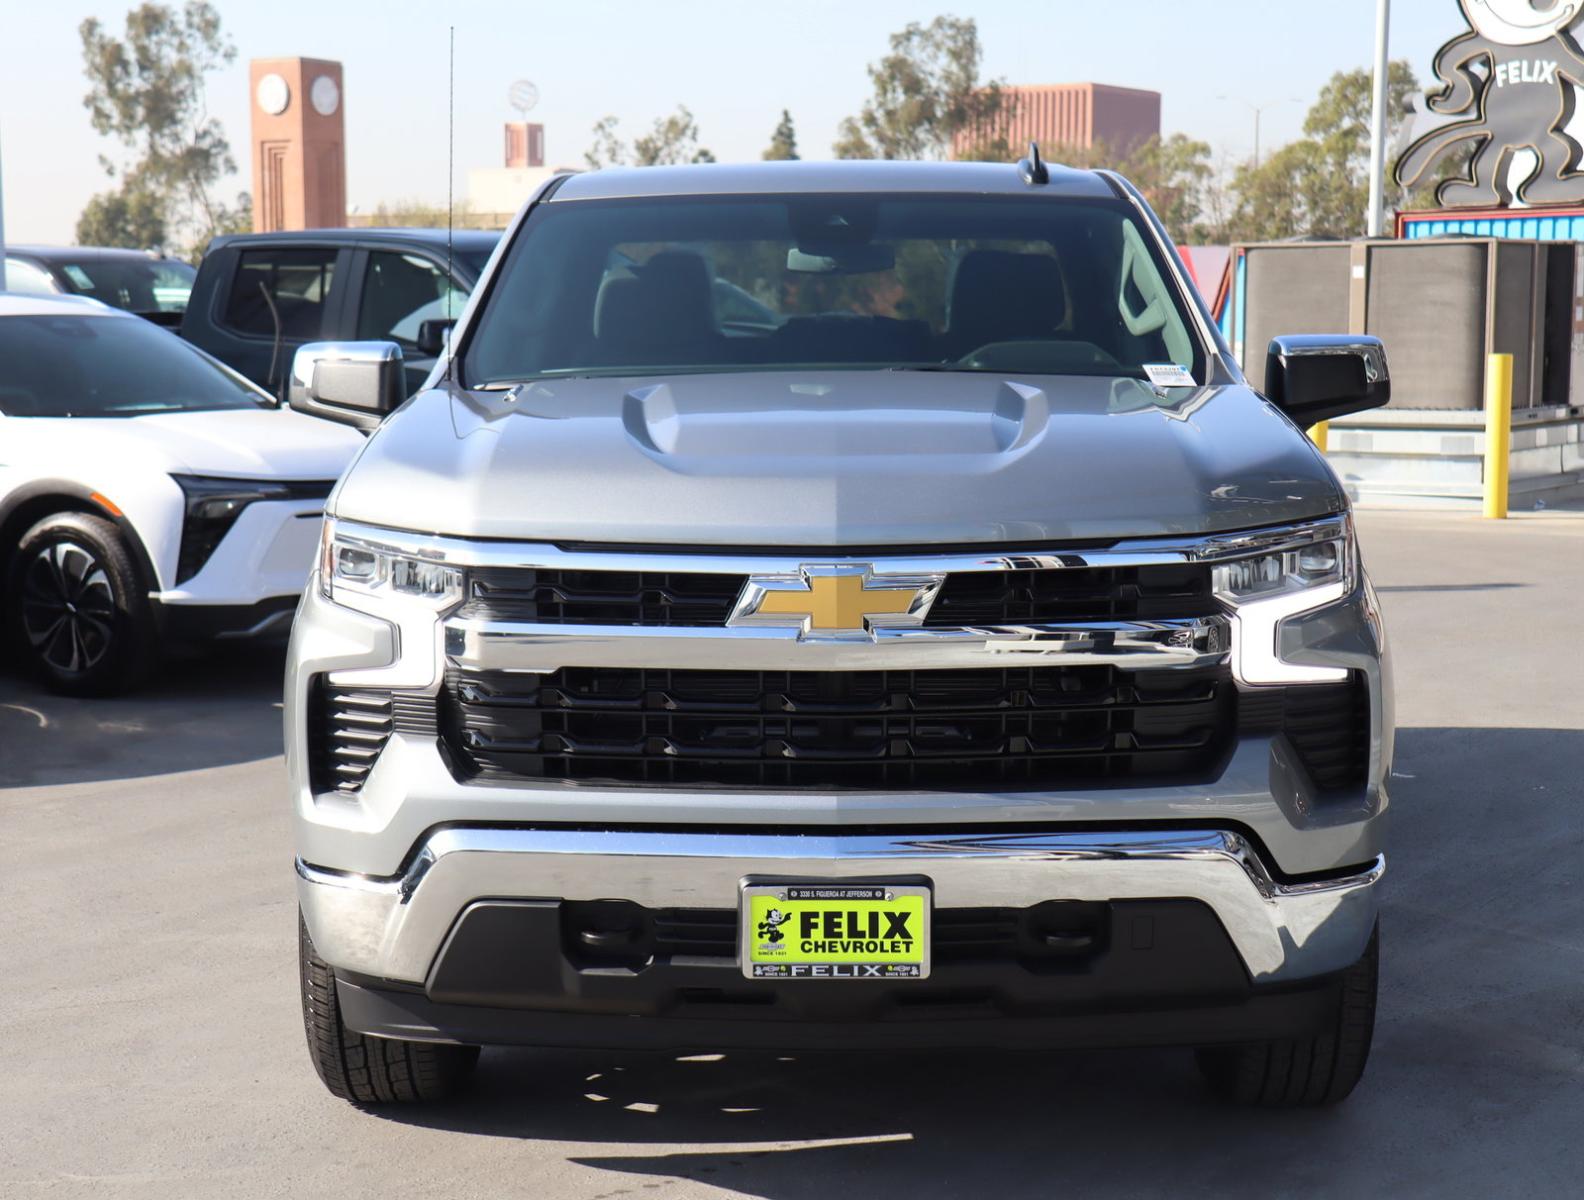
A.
x: 364, y: 1069
x: 77, y: 609
x: 1309, y: 1072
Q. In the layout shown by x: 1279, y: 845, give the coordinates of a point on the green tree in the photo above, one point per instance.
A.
x: 783, y: 142
x: 672, y: 140
x: 130, y: 215
x: 146, y: 90
x: 608, y: 150
x: 1174, y: 173
x: 927, y: 95
x: 1318, y: 186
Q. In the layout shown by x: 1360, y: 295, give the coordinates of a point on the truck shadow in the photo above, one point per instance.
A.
x: 1479, y: 1015
x: 210, y: 711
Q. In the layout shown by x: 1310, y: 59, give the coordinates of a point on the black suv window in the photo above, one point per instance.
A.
x: 400, y: 292
x: 297, y: 281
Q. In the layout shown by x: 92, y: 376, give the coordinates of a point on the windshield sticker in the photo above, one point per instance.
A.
x: 1168, y: 375
x: 77, y: 275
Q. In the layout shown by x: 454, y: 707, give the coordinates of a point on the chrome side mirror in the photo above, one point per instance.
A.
x: 1317, y: 377
x: 353, y: 383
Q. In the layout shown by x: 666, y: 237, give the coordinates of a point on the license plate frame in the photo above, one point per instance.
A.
x: 861, y: 908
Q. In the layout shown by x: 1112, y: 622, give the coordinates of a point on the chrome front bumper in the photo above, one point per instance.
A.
x: 393, y: 928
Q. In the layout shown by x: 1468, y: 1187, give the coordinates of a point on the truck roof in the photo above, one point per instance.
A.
x: 737, y: 179
x: 482, y: 240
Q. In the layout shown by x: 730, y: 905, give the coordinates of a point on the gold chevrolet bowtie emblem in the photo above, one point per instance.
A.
x: 836, y: 601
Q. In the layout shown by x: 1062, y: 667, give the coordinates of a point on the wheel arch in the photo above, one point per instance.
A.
x: 29, y: 504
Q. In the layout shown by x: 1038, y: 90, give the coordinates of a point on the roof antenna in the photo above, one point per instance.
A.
x: 1033, y: 168
x: 450, y: 190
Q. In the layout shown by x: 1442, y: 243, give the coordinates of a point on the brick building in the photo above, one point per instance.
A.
x: 1071, y: 114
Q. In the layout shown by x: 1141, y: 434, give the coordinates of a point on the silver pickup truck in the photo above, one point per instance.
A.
x: 837, y: 606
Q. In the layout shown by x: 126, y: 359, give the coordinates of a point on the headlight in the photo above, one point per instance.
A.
x: 358, y: 566
x: 1265, y: 579
x: 213, y: 506
x: 1285, y: 570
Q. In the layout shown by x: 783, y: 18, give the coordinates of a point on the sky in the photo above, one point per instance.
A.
x: 735, y: 65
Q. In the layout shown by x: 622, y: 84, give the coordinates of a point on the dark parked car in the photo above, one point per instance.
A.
x: 259, y: 296
x: 139, y: 281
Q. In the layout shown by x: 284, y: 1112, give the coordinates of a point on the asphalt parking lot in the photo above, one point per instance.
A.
x: 153, y: 1047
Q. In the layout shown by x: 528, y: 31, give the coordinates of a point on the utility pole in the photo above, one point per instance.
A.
x: 1377, y: 189
x: 1259, y: 112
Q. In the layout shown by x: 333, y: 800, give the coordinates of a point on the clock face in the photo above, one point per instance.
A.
x: 325, y: 96
x: 273, y: 94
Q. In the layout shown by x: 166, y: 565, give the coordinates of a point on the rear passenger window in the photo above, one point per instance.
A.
x: 297, y: 282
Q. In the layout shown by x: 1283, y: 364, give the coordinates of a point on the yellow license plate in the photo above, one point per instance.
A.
x: 835, y: 931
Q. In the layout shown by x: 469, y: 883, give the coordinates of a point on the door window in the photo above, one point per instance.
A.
x: 400, y: 292
x: 296, y: 283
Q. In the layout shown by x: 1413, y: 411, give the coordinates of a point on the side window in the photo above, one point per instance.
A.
x: 27, y: 280
x: 400, y: 292
x: 298, y: 283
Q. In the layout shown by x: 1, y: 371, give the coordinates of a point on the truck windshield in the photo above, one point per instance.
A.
x: 1027, y: 285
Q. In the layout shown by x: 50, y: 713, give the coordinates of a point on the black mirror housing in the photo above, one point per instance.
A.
x: 433, y: 335
x: 1319, y: 377
x: 352, y: 383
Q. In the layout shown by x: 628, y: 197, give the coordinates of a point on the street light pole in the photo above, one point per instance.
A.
x: 1377, y: 189
x: 1259, y: 112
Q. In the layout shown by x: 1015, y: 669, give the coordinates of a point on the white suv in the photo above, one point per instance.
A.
x: 148, y: 494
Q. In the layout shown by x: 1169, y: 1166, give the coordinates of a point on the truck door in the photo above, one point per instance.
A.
x: 297, y: 287
x: 399, y: 289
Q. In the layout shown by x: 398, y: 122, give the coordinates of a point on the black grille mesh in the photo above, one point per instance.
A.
x: 1327, y: 725
x: 1074, y: 594
x: 348, y: 728
x: 955, y: 730
x: 554, y: 597
x: 659, y: 598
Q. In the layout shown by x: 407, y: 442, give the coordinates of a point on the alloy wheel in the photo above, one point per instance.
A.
x: 68, y: 607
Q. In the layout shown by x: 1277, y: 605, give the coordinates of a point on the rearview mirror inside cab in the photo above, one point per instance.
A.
x: 1317, y: 377
x: 353, y: 383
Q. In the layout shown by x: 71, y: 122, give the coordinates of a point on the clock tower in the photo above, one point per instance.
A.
x: 299, y: 144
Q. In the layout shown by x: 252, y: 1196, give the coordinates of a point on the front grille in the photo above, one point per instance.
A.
x: 1074, y: 594
x: 556, y: 597
x: 1327, y: 725
x: 880, y: 730
x: 679, y: 598
x: 348, y: 728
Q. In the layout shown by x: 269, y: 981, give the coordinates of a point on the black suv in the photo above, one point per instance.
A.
x: 259, y: 296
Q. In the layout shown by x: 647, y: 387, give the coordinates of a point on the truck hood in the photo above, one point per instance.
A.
x: 240, y: 443
x: 837, y: 459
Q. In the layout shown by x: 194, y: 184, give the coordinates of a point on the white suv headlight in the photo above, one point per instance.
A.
x: 361, y: 567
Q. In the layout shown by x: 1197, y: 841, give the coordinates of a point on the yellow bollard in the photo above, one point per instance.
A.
x: 1498, y: 433
x: 1320, y: 435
